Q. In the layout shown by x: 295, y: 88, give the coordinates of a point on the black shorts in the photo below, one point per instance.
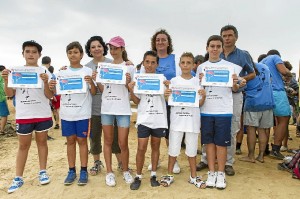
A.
x: 145, y: 132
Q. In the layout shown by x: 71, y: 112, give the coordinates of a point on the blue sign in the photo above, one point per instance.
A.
x: 184, y: 96
x: 217, y: 76
x: 24, y: 77
x: 148, y: 84
x: 111, y: 73
x: 70, y: 84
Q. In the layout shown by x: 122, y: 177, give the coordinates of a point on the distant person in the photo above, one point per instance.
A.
x: 4, y: 112
x: 46, y: 61
x: 31, y: 116
x: 199, y: 59
x: 282, y: 110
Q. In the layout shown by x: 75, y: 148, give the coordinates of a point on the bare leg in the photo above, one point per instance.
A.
x: 171, y: 163
x: 108, y: 140
x: 192, y: 163
x: 140, y: 154
x: 155, y: 145
x: 83, y: 151
x: 251, y: 141
x: 263, y: 141
x: 211, y: 156
x: 3, y: 123
x: 41, y: 142
x: 123, y: 143
x: 71, y: 150
x: 22, y: 154
x: 281, y: 129
x: 221, y: 157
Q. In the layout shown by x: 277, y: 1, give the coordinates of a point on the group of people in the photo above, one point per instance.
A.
x: 106, y: 107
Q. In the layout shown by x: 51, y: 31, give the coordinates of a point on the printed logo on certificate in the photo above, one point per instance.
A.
x: 217, y: 76
x: 69, y: 84
x: 149, y: 83
x: 184, y: 95
x: 111, y: 73
x: 25, y: 77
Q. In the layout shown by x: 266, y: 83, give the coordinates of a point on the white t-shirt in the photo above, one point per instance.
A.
x: 78, y: 106
x: 185, y: 119
x: 219, y: 100
x: 32, y: 103
x: 115, y: 98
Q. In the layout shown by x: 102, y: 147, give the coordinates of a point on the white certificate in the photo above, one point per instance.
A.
x: 111, y: 73
x: 70, y: 83
x: 149, y: 83
x: 220, y: 75
x: 25, y: 77
x: 184, y: 95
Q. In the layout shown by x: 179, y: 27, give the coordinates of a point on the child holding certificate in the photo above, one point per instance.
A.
x: 151, y: 121
x: 76, y: 112
x: 116, y: 105
x: 184, y: 120
x: 216, y: 113
x: 33, y: 113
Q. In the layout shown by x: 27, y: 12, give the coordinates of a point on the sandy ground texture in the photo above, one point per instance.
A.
x: 252, y: 180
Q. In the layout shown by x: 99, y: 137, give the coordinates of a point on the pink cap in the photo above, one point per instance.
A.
x: 117, y: 41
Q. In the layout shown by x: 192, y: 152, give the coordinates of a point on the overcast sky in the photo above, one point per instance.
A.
x: 262, y: 25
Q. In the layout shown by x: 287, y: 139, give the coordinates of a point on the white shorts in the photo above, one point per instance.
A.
x: 191, y: 142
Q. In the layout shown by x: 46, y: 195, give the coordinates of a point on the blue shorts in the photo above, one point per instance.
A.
x: 122, y: 120
x: 79, y: 128
x: 282, y: 106
x: 38, y: 127
x: 3, y: 109
x: 145, y: 132
x: 216, y: 130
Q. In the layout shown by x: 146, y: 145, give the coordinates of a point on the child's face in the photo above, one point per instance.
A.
x: 150, y: 64
x: 115, y: 52
x: 214, y: 49
x: 186, y: 64
x: 74, y: 56
x: 31, y: 55
x: 96, y: 49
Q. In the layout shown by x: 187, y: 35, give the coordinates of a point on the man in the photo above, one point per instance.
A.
x: 282, y: 109
x: 242, y: 58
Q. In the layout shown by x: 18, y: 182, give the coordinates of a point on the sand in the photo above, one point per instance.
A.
x: 252, y: 180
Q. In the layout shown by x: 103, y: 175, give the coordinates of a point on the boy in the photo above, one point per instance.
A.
x: 151, y: 121
x: 75, y: 114
x: 187, y: 123
x: 216, y: 115
x: 4, y: 112
x: 33, y: 113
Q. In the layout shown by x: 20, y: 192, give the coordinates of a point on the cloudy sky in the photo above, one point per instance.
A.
x: 262, y: 25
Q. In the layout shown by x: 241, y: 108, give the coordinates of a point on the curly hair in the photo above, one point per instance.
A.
x: 153, y: 40
x: 88, y: 45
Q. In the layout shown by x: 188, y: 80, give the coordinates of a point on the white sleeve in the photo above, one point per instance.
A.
x: 177, y: 67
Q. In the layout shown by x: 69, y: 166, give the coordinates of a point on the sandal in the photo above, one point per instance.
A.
x: 96, y: 168
x: 166, y: 180
x: 197, y: 182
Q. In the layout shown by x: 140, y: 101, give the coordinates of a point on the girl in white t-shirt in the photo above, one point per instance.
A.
x: 116, y: 105
x: 184, y: 120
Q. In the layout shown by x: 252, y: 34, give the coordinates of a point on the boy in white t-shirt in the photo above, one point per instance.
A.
x: 33, y: 113
x: 216, y: 115
x: 184, y: 120
x: 75, y: 114
x: 151, y: 121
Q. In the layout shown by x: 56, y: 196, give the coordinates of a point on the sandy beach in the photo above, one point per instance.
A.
x: 252, y: 180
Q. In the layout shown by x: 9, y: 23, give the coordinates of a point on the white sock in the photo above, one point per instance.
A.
x: 153, y: 173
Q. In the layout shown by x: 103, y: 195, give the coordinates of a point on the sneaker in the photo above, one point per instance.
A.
x: 197, y: 182
x: 127, y: 177
x: 70, y: 177
x: 201, y: 166
x: 229, y: 170
x: 150, y: 166
x: 283, y: 149
x: 110, y: 180
x: 276, y: 155
x: 211, y: 179
x: 136, y: 184
x: 176, y: 168
x: 154, y: 182
x: 16, y: 184
x: 43, y: 177
x: 83, y: 178
x: 221, y: 182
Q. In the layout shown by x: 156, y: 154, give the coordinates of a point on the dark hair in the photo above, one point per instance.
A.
x: 273, y: 52
x: 51, y: 69
x: 46, y: 60
x: 253, y: 64
x: 153, y: 40
x: 230, y: 27
x: 32, y: 43
x: 261, y: 57
x: 206, y: 57
x: 199, y: 59
x: 74, y: 44
x: 214, y: 38
x: 2, y: 67
x: 95, y: 38
x: 151, y: 53
x: 288, y: 65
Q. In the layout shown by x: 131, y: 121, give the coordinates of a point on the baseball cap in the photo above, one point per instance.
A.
x: 117, y: 41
